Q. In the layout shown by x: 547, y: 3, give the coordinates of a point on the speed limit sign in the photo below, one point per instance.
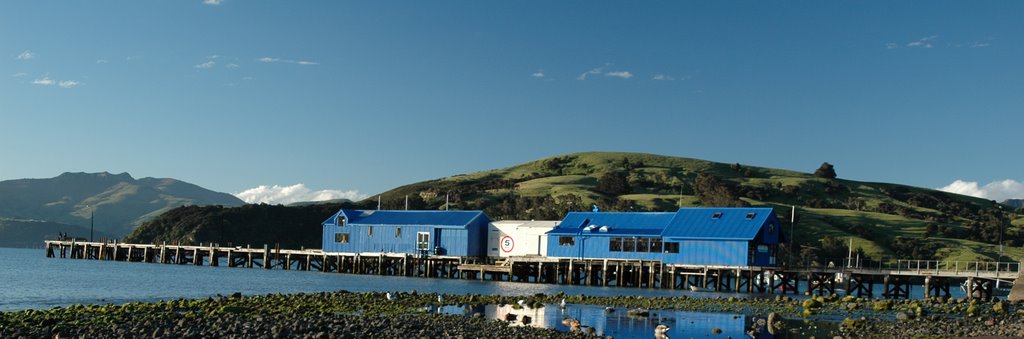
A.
x: 507, y: 244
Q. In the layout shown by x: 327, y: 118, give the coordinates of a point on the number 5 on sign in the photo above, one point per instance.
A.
x: 507, y: 244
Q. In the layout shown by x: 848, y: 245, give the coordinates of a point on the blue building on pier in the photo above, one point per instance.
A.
x: 714, y: 236
x: 453, y: 233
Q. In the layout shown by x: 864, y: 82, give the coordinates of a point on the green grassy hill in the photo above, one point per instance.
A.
x: 885, y: 220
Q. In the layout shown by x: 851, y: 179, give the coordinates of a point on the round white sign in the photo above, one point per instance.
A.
x: 507, y: 244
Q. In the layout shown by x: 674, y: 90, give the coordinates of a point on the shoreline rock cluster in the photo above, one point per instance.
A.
x: 357, y: 315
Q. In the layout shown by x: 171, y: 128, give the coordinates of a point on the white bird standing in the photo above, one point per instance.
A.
x: 522, y: 303
x: 661, y: 331
x: 389, y: 296
x: 440, y: 298
x: 562, y: 304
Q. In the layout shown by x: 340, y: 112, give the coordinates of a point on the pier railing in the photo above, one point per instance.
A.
x: 987, y: 269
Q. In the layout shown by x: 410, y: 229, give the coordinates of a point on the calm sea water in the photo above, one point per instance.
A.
x: 30, y: 280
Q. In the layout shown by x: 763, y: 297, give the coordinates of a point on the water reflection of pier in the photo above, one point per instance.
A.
x: 861, y: 279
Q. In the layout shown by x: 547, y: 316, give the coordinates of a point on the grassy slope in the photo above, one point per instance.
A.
x: 578, y: 174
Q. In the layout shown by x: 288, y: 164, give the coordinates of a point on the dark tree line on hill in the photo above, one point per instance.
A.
x: 256, y: 225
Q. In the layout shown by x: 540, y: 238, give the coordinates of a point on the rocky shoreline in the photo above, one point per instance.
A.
x: 361, y: 315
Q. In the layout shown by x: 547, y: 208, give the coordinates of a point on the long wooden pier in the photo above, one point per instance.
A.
x: 895, y: 277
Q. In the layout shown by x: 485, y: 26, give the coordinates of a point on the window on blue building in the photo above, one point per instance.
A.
x: 628, y: 244
x: 566, y: 241
x: 656, y: 245
x: 398, y: 232
x: 422, y: 241
x: 370, y: 232
x: 341, y: 238
x: 641, y: 244
x: 671, y: 247
x: 615, y: 244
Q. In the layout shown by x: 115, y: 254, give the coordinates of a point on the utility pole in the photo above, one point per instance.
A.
x: 92, y: 221
x: 792, y: 237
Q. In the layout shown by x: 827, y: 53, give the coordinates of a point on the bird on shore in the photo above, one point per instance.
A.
x: 440, y: 298
x: 389, y: 296
x: 522, y: 303
x: 562, y: 304
x: 661, y: 330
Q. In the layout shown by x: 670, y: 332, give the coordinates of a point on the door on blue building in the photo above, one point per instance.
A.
x: 423, y: 242
x: 763, y: 256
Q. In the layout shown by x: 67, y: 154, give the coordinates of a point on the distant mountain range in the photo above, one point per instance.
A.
x: 1015, y: 203
x: 34, y: 209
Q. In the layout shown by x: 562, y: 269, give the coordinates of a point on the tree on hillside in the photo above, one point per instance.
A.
x: 713, y: 192
x: 613, y: 183
x: 826, y: 171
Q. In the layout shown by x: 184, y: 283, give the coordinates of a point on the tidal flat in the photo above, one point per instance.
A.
x: 345, y: 314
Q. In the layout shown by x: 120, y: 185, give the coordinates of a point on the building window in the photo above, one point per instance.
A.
x: 615, y: 244
x: 628, y: 244
x: 341, y: 238
x: 423, y: 241
x: 566, y: 241
x: 717, y: 215
x: 369, y: 231
x: 671, y: 247
x: 656, y: 245
x: 340, y: 221
x: 398, y: 232
x: 641, y: 244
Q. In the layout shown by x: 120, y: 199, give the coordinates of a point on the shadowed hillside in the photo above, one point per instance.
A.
x: 256, y: 225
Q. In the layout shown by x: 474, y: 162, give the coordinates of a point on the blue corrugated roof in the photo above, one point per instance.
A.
x: 700, y: 223
x: 627, y: 223
x: 687, y: 223
x: 431, y: 218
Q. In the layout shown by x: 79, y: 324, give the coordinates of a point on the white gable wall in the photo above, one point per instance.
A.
x: 518, y: 238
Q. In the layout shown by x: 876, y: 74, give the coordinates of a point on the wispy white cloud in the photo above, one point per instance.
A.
x: 287, y: 61
x: 102, y: 61
x: 619, y: 74
x: 594, y: 71
x: 19, y: 74
x: 925, y: 42
x: 295, y: 193
x: 979, y: 44
x: 212, y: 2
x: 892, y: 45
x: 26, y: 55
x: 538, y: 74
x: 662, y: 77
x: 231, y: 65
x: 44, y: 81
x: 996, y: 190
x: 208, y: 64
x: 68, y: 83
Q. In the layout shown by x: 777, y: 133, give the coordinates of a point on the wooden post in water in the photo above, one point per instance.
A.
x: 266, y: 257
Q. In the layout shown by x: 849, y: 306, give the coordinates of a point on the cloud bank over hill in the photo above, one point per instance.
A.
x: 295, y: 193
x: 996, y: 190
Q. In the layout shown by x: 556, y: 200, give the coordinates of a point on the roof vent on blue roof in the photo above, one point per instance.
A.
x: 604, y: 229
x: 717, y: 215
x: 751, y: 215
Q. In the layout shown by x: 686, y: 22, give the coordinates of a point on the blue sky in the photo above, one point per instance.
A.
x: 360, y: 97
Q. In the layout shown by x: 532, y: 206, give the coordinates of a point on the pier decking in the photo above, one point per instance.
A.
x: 895, y: 277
